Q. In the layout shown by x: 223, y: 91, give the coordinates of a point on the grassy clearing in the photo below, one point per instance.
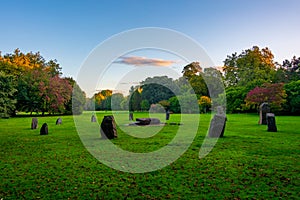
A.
x: 248, y: 162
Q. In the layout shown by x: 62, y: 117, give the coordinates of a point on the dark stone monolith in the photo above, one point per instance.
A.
x: 167, y: 114
x: 264, y: 108
x: 271, y: 122
x: 108, y: 128
x: 147, y: 121
x: 217, y: 124
x: 44, y: 129
x: 34, y: 123
x: 58, y: 121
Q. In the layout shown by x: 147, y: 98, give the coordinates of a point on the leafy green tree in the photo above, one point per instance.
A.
x: 116, y: 100
x: 191, y: 70
x: 194, y: 74
x: 135, y: 101
x: 158, y: 88
x: 293, y: 96
x: 251, y: 68
x: 288, y: 71
x: 174, y: 105
x: 145, y: 105
x: 235, y: 99
x: 76, y: 104
x: 7, y: 94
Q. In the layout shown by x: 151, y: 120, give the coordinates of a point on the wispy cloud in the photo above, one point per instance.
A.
x: 143, y: 61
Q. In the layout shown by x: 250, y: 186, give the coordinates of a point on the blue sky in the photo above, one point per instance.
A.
x: 69, y: 30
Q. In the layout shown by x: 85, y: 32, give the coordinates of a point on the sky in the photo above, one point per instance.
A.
x: 69, y: 31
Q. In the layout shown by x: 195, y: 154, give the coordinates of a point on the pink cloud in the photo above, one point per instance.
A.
x: 143, y: 61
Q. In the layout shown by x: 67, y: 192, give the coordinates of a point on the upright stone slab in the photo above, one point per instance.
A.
x: 264, y: 108
x: 271, y: 122
x: 167, y: 114
x: 93, y: 118
x: 58, y: 121
x: 108, y: 128
x: 34, y: 123
x: 44, y: 129
x: 217, y: 124
x: 130, y: 116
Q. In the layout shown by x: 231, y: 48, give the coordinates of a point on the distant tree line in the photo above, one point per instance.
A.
x: 250, y: 78
x: 30, y: 84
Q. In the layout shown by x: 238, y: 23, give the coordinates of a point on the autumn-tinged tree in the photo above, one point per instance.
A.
x: 204, y: 103
x: 274, y: 94
x: 101, y: 101
x: 251, y: 68
x: 40, y: 87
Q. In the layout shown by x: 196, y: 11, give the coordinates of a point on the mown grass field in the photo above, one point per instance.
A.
x: 248, y: 163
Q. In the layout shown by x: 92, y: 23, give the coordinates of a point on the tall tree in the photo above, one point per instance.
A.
x: 7, y: 94
x: 251, y: 68
x: 293, y: 96
x: 158, y: 88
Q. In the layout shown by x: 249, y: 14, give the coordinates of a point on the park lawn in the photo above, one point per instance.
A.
x: 248, y: 162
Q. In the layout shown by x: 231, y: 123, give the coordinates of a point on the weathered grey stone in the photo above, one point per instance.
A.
x: 131, y: 116
x: 108, y: 128
x: 58, y: 121
x: 34, y: 123
x: 218, y: 123
x: 44, y: 129
x: 271, y: 122
x: 264, y: 108
x: 93, y: 118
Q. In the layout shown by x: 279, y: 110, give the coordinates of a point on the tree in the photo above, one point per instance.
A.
x: 293, y: 96
x: 55, y: 95
x: 274, y: 94
x: 174, y: 104
x: 145, y: 105
x: 205, y: 103
x: 100, y: 99
x: 158, y: 88
x: 194, y: 74
x: 7, y: 94
x: 289, y: 71
x: 116, y: 100
x: 235, y: 99
x: 191, y: 70
x: 76, y: 104
x: 135, y: 101
x: 251, y: 68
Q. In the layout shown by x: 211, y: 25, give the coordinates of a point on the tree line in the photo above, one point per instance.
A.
x: 30, y: 84
x: 250, y: 78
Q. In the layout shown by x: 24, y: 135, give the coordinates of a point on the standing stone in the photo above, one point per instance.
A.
x: 167, y: 114
x: 264, y: 108
x: 271, y: 122
x: 93, y: 118
x: 44, y: 129
x: 58, y: 121
x: 217, y: 124
x: 130, y: 116
x: 108, y: 128
x: 34, y: 123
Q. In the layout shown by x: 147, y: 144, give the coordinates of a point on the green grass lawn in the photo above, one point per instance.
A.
x: 248, y: 163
